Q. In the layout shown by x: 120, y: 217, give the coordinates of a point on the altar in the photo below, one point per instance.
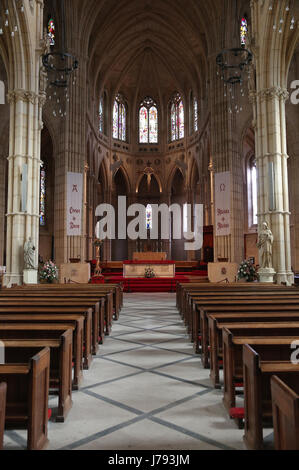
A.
x: 149, y: 256
x: 161, y: 268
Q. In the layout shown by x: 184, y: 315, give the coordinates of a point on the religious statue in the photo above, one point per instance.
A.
x: 29, y: 255
x: 265, y: 243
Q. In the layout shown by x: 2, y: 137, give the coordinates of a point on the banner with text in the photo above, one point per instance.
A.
x: 74, y: 204
x: 222, y: 203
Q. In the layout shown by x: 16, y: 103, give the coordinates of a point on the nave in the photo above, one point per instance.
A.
x: 145, y: 390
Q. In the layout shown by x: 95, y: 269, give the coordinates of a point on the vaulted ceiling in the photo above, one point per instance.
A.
x: 148, y: 47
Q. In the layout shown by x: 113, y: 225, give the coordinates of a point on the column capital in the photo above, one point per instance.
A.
x: 13, y: 96
x: 267, y: 94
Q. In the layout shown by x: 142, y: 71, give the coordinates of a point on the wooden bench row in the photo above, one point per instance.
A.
x: 259, y: 324
x: 68, y: 324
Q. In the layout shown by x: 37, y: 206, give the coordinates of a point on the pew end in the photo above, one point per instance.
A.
x: 285, y: 403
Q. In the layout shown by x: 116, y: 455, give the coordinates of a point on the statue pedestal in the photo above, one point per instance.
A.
x: 30, y: 276
x: 266, y: 275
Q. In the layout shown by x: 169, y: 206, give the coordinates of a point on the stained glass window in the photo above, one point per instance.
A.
x: 195, y: 115
x: 148, y: 122
x: 42, y: 203
x: 177, y: 118
x: 101, y: 115
x: 115, y: 120
x: 149, y: 217
x: 119, y: 119
x: 51, y: 31
x: 243, y: 31
x: 181, y: 120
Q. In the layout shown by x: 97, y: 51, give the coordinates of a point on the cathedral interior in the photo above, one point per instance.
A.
x: 174, y: 103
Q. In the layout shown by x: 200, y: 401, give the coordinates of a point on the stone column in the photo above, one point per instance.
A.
x: 273, y: 194
x: 224, y: 151
x: 71, y: 157
x: 23, y: 172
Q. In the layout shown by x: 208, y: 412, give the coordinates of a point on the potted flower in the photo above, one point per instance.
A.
x: 247, y: 272
x: 149, y: 273
x: 48, y: 272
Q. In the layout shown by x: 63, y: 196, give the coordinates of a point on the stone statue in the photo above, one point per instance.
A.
x: 29, y: 255
x: 265, y: 243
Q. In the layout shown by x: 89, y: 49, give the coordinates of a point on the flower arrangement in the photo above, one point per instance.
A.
x: 48, y: 272
x: 247, y: 271
x: 149, y: 273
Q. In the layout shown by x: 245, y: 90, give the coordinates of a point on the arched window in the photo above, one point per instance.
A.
x: 51, y: 31
x: 243, y: 31
x: 195, y: 114
x: 119, y: 119
x: 149, y: 217
x: 148, y: 122
x: 177, y: 118
x: 42, y: 200
x: 103, y: 114
x: 252, y: 191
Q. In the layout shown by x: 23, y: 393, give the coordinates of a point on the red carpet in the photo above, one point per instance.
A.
x: 140, y: 284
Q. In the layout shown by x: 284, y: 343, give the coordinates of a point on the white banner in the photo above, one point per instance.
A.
x: 74, y: 204
x: 222, y: 203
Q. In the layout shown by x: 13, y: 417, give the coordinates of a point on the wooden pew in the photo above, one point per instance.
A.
x: 233, y: 299
x: 189, y: 295
x: 111, y: 295
x: 56, y: 313
x: 59, y: 341
x: 200, y: 317
x: 255, y: 326
x: 75, y: 322
x: 94, y: 288
x: 249, y: 296
x: 27, y: 393
x: 285, y: 409
x: 254, y: 330
x: 53, y: 301
x: 184, y: 289
x: 257, y: 392
x: 278, y: 345
x: 3, y: 388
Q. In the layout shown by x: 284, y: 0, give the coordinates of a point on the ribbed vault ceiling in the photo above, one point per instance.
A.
x: 148, y: 47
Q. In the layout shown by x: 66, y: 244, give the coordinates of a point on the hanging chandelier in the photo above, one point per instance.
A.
x: 60, y: 67
x: 290, y: 9
x: 6, y: 24
x: 233, y: 63
x: 234, y: 69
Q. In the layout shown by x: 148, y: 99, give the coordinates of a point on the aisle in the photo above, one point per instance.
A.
x: 146, y: 389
